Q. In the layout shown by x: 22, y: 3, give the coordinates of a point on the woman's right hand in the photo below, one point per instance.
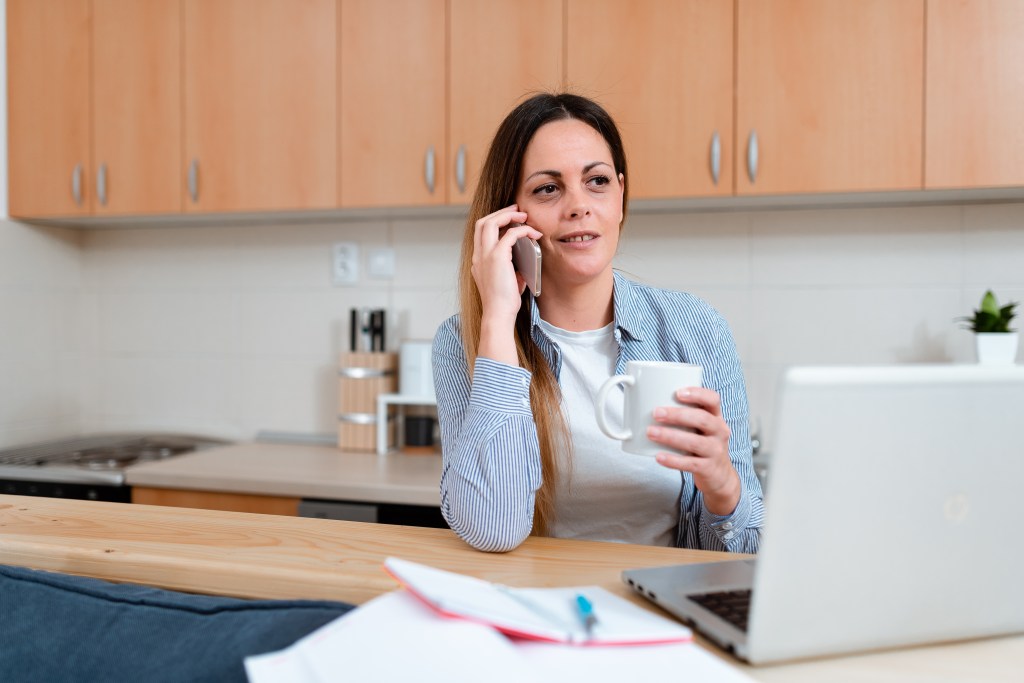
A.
x: 500, y: 287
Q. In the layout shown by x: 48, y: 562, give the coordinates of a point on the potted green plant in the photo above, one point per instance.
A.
x: 996, y: 342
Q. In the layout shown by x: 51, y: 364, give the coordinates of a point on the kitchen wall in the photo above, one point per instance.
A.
x: 43, y: 348
x: 234, y: 329
x: 42, y: 355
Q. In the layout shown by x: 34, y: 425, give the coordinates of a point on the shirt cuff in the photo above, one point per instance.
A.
x: 728, y: 527
x: 500, y: 387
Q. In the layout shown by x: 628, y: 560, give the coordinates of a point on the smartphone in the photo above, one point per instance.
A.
x: 526, y: 259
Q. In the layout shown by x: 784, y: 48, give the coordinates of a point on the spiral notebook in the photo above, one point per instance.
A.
x: 546, y: 614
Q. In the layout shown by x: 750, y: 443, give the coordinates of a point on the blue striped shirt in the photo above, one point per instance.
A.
x: 491, y: 463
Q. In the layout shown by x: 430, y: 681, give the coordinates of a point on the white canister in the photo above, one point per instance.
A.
x: 415, y: 374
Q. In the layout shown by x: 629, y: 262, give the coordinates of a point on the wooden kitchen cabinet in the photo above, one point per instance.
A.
x: 48, y: 113
x: 137, y: 106
x: 260, y: 103
x: 664, y: 70
x: 393, y: 150
x: 832, y: 90
x: 414, y: 130
x: 96, y: 100
x: 206, y: 500
x: 500, y: 53
x: 123, y: 107
x: 974, y: 94
x: 101, y: 137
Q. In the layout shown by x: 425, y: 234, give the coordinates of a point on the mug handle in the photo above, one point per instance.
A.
x: 602, y: 396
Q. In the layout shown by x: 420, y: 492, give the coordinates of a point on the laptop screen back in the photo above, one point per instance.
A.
x: 892, y: 514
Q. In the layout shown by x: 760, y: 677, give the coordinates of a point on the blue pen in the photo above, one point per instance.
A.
x: 586, y: 612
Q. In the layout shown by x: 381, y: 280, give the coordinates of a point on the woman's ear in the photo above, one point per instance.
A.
x: 622, y: 194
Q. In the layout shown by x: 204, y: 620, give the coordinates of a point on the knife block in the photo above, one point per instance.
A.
x: 362, y: 375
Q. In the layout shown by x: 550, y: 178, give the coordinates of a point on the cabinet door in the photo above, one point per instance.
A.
x: 209, y: 500
x: 393, y: 149
x: 260, y: 105
x: 664, y: 70
x: 137, y: 106
x: 833, y: 90
x: 975, y: 94
x: 48, y: 45
x: 501, y: 52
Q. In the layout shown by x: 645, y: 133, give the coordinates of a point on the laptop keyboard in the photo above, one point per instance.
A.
x: 733, y: 606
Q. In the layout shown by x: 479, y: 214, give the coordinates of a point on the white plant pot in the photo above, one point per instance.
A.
x: 997, y: 348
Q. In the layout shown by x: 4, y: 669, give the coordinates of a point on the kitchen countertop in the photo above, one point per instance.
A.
x: 301, y: 471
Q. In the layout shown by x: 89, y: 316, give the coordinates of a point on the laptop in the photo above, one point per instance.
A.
x: 892, y: 518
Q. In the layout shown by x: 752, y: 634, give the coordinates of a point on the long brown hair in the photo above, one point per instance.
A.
x: 499, y: 180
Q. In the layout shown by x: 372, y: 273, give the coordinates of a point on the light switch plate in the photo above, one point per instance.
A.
x: 380, y: 263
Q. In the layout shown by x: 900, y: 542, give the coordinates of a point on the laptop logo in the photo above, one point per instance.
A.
x: 956, y: 507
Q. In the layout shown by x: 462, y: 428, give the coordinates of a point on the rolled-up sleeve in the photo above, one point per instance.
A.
x: 739, y: 531
x: 491, y: 459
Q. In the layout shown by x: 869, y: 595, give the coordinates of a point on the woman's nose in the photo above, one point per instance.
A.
x: 577, y: 205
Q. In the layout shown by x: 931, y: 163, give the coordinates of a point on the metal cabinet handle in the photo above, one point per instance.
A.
x: 460, y: 168
x: 193, y: 180
x: 428, y: 170
x: 76, y: 184
x: 101, y: 184
x: 752, y: 156
x: 716, y: 157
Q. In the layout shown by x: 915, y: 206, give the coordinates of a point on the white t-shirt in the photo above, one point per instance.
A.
x: 604, y: 493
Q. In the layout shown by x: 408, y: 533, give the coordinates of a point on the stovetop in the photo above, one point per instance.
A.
x: 99, y: 459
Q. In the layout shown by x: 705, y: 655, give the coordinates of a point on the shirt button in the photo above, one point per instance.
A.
x: 729, y: 535
x: 727, y: 526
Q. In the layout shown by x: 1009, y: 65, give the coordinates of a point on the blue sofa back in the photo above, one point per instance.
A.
x: 62, y: 628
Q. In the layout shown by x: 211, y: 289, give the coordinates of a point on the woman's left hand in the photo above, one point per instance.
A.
x: 706, y: 446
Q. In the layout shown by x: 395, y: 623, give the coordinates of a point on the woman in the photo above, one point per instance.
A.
x: 516, y: 375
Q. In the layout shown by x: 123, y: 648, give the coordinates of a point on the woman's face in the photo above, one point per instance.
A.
x: 571, y: 193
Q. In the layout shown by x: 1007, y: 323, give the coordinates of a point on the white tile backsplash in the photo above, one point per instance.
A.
x: 419, y: 312
x: 994, y: 247
x: 176, y: 258
x: 683, y: 251
x: 39, y: 257
x: 258, y: 389
x: 800, y: 326
x: 894, y: 247
x: 427, y: 253
x: 167, y: 321
x: 299, y: 256
x: 300, y: 324
x: 143, y: 385
x: 234, y: 329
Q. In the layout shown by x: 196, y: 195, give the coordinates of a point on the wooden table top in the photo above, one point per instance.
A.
x: 265, y: 556
x: 269, y: 556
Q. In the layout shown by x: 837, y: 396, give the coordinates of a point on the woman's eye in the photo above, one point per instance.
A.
x: 549, y: 188
x: 600, y: 180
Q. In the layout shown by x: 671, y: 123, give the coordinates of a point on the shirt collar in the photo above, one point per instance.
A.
x: 628, y: 317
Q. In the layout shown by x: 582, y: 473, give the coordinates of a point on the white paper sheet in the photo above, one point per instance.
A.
x: 395, y: 637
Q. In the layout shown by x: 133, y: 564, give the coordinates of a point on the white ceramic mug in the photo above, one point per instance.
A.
x: 647, y: 385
